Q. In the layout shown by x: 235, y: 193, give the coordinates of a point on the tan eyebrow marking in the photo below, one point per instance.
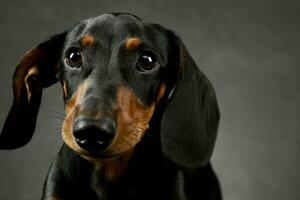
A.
x: 87, y: 40
x: 133, y: 43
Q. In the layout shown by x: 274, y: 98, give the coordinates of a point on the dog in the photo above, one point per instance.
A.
x: 141, y: 118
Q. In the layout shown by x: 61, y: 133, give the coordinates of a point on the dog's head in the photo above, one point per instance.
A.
x: 116, y: 71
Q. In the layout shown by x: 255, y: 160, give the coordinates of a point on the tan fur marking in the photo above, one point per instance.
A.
x: 87, y: 40
x: 132, y: 119
x: 67, y: 131
x: 65, y: 90
x: 33, y: 71
x: 70, y: 109
x: 77, y: 97
x: 24, y: 70
x: 70, y: 105
x: 112, y: 170
x: 133, y: 43
x: 161, y: 93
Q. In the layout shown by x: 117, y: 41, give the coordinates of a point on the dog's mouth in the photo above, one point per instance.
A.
x: 98, y: 156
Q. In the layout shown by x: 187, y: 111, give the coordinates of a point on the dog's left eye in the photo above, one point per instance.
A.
x: 146, y: 63
x: 73, y: 58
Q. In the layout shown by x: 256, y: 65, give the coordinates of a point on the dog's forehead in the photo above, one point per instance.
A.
x: 107, y: 26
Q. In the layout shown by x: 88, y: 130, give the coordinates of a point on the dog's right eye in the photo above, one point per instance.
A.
x: 73, y: 58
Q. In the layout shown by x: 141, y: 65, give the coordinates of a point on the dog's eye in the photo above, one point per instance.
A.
x: 146, y: 63
x: 73, y: 58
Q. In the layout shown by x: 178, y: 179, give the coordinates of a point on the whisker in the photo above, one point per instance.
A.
x: 53, y: 114
x: 53, y: 111
x: 55, y: 129
x: 53, y: 117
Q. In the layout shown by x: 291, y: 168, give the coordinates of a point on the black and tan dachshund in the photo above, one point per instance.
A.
x: 141, y: 118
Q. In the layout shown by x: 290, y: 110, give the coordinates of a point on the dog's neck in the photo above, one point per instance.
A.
x: 112, y: 170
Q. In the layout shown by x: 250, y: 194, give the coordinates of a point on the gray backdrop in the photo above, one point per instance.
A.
x: 248, y: 49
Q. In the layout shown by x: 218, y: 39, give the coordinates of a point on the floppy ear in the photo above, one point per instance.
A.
x: 190, y: 122
x: 36, y: 70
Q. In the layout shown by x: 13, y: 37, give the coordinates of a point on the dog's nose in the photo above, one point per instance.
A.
x: 94, y: 135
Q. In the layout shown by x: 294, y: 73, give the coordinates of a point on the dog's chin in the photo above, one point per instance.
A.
x: 97, y: 157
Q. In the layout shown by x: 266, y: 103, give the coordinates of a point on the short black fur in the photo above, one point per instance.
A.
x: 171, y: 161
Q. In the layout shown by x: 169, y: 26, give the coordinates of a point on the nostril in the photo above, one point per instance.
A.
x: 107, y: 126
x: 93, y: 134
x: 79, y: 130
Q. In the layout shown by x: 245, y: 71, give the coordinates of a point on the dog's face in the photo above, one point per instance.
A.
x: 113, y: 72
x: 118, y: 73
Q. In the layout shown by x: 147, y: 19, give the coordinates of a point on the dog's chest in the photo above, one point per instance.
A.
x: 141, y: 183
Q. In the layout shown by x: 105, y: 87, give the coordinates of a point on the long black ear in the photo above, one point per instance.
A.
x: 36, y: 70
x: 190, y: 122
